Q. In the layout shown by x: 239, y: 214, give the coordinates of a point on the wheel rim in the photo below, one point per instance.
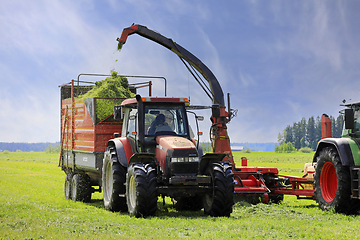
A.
x: 109, y: 180
x: 328, y: 182
x: 73, y: 189
x: 132, y: 191
x: 67, y: 189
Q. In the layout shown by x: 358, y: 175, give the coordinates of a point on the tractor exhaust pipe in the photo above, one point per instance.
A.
x: 326, y: 131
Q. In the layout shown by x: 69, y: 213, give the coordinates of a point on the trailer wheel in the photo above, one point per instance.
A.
x: 141, y: 191
x: 113, y: 182
x: 80, y: 188
x: 332, y: 183
x: 67, y: 186
x: 220, y: 200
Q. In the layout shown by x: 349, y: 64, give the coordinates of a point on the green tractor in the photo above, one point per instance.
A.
x: 337, y: 171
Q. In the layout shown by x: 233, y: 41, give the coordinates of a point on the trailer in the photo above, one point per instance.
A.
x: 84, y: 137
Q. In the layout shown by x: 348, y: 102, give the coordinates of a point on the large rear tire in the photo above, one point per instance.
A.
x: 332, y: 183
x: 113, y: 182
x: 219, y: 202
x: 141, y: 190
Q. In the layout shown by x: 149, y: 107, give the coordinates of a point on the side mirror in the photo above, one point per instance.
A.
x: 118, y: 113
x: 200, y: 118
x: 349, y: 118
x: 215, y: 110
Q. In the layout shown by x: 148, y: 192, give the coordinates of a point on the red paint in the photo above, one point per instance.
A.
x: 164, y: 143
x: 127, y: 147
x: 326, y: 130
x: 80, y: 133
x: 155, y: 99
x: 244, y: 162
x: 328, y: 180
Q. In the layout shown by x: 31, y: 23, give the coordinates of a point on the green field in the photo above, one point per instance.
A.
x: 32, y: 206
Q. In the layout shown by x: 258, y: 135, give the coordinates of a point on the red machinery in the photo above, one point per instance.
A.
x: 263, y: 182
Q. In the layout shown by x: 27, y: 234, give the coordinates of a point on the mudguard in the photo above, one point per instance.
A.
x: 208, y: 158
x: 142, y: 157
x: 123, y: 150
x: 343, y: 147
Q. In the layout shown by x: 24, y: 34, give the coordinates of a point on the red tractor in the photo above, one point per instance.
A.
x: 155, y: 155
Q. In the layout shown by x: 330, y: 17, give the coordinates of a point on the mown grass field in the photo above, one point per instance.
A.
x: 32, y: 206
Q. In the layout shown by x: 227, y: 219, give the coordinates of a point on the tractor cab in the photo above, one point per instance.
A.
x: 352, y: 120
x: 144, y: 119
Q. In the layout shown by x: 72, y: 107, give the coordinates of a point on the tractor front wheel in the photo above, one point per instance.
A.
x: 219, y: 202
x: 141, y: 190
x: 333, y: 183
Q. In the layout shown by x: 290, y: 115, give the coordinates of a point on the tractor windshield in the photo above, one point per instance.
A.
x: 357, y: 119
x: 167, y: 120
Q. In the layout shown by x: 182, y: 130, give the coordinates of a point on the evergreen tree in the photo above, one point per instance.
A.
x: 307, y: 134
x: 302, y: 129
x: 297, y: 135
x: 337, y: 130
x: 317, y: 129
x: 302, y: 142
x: 281, y: 137
x: 333, y: 129
x: 310, y: 133
x: 288, y: 134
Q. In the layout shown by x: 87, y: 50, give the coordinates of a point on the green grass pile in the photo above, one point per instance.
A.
x: 111, y: 87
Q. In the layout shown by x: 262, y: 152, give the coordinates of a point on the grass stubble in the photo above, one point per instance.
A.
x: 32, y: 206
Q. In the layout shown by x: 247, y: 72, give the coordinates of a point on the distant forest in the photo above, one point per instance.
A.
x: 308, y: 133
x: 25, y: 147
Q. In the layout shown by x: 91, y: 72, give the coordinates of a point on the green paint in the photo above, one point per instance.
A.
x: 355, y: 149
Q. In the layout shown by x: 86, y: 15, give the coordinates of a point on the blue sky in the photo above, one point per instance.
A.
x: 279, y: 60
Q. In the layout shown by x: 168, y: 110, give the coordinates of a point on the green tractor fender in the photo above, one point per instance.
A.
x: 344, y: 147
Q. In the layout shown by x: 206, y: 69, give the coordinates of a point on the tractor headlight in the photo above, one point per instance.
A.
x: 185, y: 159
x: 193, y: 159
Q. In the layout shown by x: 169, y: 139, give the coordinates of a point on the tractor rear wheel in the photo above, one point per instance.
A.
x: 219, y: 202
x: 332, y: 183
x: 141, y: 191
x: 113, y: 182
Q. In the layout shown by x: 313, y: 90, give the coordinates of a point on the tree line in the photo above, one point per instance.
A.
x: 28, y: 147
x: 308, y: 133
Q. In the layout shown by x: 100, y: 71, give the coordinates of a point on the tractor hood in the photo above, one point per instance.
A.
x: 176, y: 155
x: 173, y: 142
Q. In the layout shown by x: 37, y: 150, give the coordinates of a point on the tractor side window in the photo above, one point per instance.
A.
x: 132, y: 128
x: 357, y: 120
